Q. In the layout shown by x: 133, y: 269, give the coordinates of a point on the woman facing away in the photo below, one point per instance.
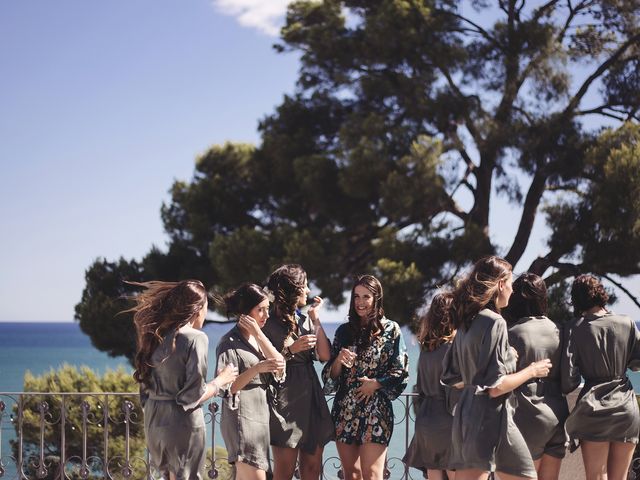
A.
x: 366, y: 379
x: 600, y: 346
x: 481, y: 362
x: 300, y: 420
x: 171, y: 367
x: 541, y: 408
x: 429, y: 450
x: 245, y: 409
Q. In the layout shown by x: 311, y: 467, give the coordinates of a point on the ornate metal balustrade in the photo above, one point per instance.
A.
x: 80, y: 436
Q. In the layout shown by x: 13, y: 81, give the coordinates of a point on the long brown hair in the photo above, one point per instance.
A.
x: 479, y: 290
x: 364, y: 333
x: 162, y: 308
x: 287, y: 284
x: 435, y: 325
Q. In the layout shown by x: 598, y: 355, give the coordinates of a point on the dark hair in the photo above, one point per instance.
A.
x: 587, y: 292
x: 478, y: 290
x: 435, y: 325
x: 287, y: 284
x: 162, y: 308
x: 363, y: 334
x: 242, y: 300
x: 529, y: 298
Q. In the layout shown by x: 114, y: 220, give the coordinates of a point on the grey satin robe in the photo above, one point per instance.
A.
x: 244, y: 422
x: 300, y: 416
x: 431, y: 443
x: 484, y: 435
x: 600, y: 348
x: 173, y: 420
x: 541, y: 408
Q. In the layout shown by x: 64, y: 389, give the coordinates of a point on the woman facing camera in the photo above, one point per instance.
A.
x: 368, y: 369
x: 541, y: 408
x: 245, y: 410
x: 600, y: 346
x: 429, y: 450
x: 171, y: 367
x: 481, y: 362
x: 300, y: 420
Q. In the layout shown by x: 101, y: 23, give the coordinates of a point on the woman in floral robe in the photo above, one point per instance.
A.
x: 368, y: 369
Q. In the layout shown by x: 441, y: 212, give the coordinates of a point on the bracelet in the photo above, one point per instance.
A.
x: 287, y: 353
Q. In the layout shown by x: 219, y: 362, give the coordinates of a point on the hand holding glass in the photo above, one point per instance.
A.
x: 349, y: 356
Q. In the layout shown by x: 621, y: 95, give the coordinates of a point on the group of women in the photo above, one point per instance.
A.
x: 274, y: 409
x: 494, y: 371
x: 491, y: 391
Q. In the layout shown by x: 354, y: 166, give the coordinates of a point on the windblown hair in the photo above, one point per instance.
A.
x: 241, y: 300
x: 287, y: 283
x: 435, y: 325
x: 364, y: 331
x: 478, y: 290
x: 161, y: 309
x: 529, y: 298
x: 587, y: 292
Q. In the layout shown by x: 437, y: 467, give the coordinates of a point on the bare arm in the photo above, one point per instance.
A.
x: 511, y: 382
x: 269, y: 365
x: 323, y: 345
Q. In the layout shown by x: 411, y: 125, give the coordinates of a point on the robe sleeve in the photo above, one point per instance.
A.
x: 195, y: 373
x: 394, y: 380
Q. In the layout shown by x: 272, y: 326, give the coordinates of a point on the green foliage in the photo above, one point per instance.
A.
x: 71, y: 379
x: 409, y: 118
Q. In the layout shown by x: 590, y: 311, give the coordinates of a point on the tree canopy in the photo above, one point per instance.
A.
x: 408, y: 120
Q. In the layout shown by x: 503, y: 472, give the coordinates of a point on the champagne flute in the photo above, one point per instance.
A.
x: 349, y: 363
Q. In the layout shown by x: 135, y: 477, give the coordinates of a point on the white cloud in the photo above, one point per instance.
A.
x: 264, y: 15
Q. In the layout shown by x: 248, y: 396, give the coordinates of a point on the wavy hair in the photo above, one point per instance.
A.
x: 478, y: 290
x: 287, y: 283
x: 435, y: 325
x: 160, y: 309
x: 529, y: 298
x: 587, y: 292
x: 363, y: 332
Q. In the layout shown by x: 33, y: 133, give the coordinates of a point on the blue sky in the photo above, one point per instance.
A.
x: 102, y: 106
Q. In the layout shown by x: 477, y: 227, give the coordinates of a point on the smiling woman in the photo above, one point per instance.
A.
x: 365, y: 381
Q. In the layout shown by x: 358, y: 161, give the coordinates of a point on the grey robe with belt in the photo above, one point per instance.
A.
x: 484, y: 435
x: 600, y: 348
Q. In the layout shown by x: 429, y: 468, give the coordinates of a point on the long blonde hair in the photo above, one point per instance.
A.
x: 162, y: 308
x: 479, y: 290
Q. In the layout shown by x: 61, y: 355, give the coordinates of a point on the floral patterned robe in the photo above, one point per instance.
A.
x: 386, y: 360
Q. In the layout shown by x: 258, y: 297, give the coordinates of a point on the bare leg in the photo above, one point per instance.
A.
x: 594, y: 456
x: 620, y: 456
x: 451, y: 474
x: 284, y: 462
x: 311, y: 464
x: 435, y: 474
x: 506, y: 476
x: 548, y: 467
x: 471, y: 474
x: 247, y: 472
x: 372, y: 456
x: 350, y: 459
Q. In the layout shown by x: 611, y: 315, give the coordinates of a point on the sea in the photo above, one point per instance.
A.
x: 38, y: 347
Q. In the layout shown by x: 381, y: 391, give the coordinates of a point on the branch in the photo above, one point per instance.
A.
x: 467, y: 120
x: 477, y: 28
x: 601, y: 110
x: 534, y: 195
x: 599, y: 71
x: 541, y: 11
x: 621, y: 287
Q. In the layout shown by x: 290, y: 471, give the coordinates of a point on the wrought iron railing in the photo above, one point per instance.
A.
x: 91, y: 436
x: 82, y: 436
